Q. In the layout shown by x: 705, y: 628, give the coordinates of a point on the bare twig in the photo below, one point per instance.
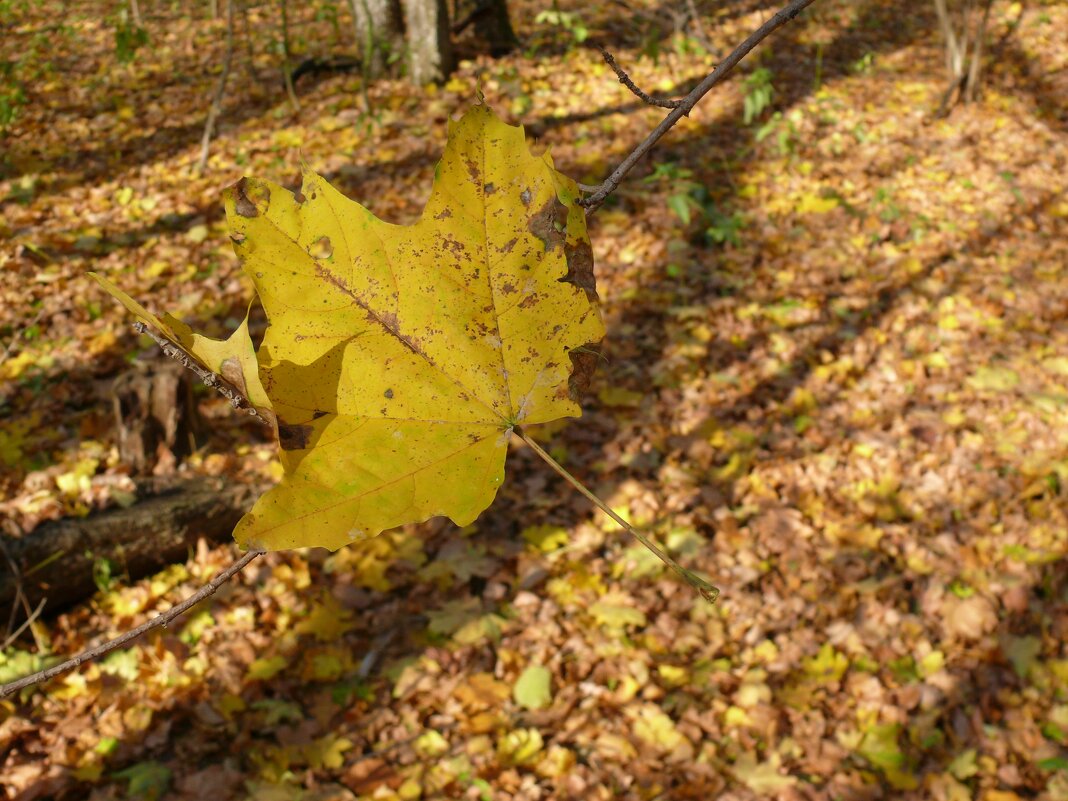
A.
x: 223, y: 387
x: 287, y: 74
x: 91, y: 654
x: 32, y: 616
x: 625, y: 79
x: 20, y: 596
x: 781, y: 17
x: 220, y: 90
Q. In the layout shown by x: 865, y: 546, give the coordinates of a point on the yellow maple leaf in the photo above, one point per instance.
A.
x: 326, y: 621
x: 398, y: 358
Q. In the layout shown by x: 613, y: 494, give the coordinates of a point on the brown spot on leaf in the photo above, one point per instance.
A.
x: 547, y: 224
x: 507, y: 246
x: 583, y: 363
x: 319, y: 413
x: 388, y: 393
x: 473, y: 171
x: 243, y: 205
x: 451, y: 244
x: 444, y: 214
x: 526, y: 197
x: 580, y: 268
x: 489, y: 188
x: 293, y: 437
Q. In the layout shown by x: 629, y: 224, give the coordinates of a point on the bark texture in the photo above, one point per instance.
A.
x: 430, y: 55
x: 379, y: 32
x: 495, y: 28
x: 156, y: 416
x: 55, y: 561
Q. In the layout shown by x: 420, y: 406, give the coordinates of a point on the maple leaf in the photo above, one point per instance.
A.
x: 397, y: 359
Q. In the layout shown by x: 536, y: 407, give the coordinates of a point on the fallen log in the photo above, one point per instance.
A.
x: 55, y: 562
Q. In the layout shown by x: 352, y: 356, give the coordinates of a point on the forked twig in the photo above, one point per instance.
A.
x: 214, y: 380
x: 625, y: 79
x: 159, y: 620
x: 612, y: 182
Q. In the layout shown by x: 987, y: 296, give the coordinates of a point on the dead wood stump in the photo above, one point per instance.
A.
x: 156, y: 416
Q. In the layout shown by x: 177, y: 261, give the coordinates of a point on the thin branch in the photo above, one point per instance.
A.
x: 287, y: 76
x: 220, y: 90
x: 781, y: 17
x: 625, y: 79
x: 237, y: 400
x: 91, y: 654
x: 32, y: 616
x: 708, y: 591
x: 20, y: 596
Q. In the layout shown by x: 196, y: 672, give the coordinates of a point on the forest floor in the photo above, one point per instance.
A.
x: 835, y: 381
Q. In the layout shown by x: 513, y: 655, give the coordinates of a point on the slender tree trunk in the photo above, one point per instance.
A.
x: 971, y: 86
x: 964, y: 50
x: 220, y: 90
x: 287, y: 74
x: 135, y: 13
x: 430, y: 56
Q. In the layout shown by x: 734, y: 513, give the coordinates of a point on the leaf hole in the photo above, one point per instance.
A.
x: 321, y: 248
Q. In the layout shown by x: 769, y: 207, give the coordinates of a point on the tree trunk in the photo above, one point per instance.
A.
x: 429, y: 46
x: 493, y: 26
x: 57, y: 561
x: 963, y: 37
x: 379, y: 32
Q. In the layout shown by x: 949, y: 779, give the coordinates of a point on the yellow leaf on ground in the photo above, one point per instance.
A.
x: 814, y: 204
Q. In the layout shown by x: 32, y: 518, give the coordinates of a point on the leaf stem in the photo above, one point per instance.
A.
x: 708, y: 591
